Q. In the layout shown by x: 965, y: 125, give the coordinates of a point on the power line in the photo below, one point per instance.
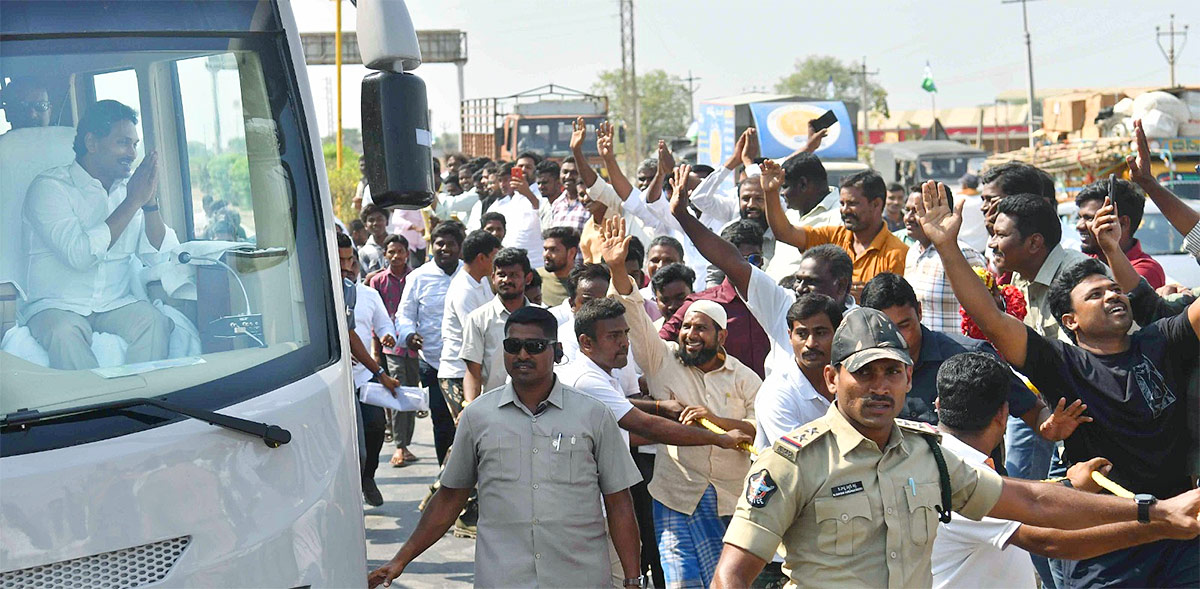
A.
x: 1169, y: 53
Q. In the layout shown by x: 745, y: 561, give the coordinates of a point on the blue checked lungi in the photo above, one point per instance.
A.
x: 689, y: 545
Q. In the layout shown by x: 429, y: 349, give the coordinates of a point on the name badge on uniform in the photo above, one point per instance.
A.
x: 847, y: 489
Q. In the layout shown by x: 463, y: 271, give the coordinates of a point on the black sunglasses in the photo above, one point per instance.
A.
x: 37, y: 105
x: 534, y: 347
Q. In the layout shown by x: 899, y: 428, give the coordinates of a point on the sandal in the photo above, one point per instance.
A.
x: 409, y: 456
x: 398, y: 459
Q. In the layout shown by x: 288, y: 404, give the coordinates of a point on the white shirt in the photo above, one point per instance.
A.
x: 590, y: 379
x: 627, y: 376
x: 464, y: 295
x: 69, y: 264
x: 656, y: 217
x: 370, y: 319
x: 421, y: 308
x: 976, y: 553
x: 769, y: 303
x: 523, y: 225
x: 974, y: 230
x: 483, y: 337
x: 716, y: 198
x: 787, y: 258
x: 785, y: 401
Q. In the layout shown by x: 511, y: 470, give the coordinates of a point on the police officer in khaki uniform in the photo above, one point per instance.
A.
x: 855, y: 496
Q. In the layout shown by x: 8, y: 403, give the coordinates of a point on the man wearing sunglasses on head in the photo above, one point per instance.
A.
x: 26, y: 104
x: 543, y: 456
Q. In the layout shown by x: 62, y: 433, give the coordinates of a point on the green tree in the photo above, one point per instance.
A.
x: 811, y: 78
x: 343, y: 182
x: 664, y: 102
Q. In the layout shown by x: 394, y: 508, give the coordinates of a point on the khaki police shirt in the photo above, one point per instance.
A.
x: 540, y: 477
x: 683, y: 473
x: 848, y: 514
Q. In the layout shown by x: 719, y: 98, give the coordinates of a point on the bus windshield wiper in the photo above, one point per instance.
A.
x: 272, y: 435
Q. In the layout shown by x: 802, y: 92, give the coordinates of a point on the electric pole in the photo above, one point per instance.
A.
x: 1169, y: 52
x: 629, y: 78
x: 866, y: 108
x: 691, y: 95
x: 1028, y: 64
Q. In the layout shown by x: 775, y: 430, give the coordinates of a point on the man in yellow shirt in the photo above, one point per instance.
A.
x: 863, y: 233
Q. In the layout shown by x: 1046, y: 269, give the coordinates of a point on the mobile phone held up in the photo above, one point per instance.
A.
x: 824, y: 121
x: 518, y: 173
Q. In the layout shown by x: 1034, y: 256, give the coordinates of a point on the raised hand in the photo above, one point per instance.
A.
x: 1063, y: 421
x: 1139, y: 161
x: 578, y: 134
x: 772, y: 177
x: 1106, y: 228
x: 666, y: 160
x: 604, y: 131
x: 679, y: 190
x: 614, y: 244
x: 604, y: 146
x: 814, y: 140
x: 520, y: 185
x: 751, y: 148
x: 738, y: 148
x: 941, y: 224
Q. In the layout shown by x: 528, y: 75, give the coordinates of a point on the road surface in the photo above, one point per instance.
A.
x: 450, y: 562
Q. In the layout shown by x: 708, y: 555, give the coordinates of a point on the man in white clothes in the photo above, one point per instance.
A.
x: 470, y: 288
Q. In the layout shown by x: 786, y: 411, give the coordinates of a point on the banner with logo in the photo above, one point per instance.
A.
x: 783, y: 128
x: 717, y: 134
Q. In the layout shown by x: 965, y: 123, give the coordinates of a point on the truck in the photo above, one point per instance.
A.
x: 910, y: 163
x: 537, y: 120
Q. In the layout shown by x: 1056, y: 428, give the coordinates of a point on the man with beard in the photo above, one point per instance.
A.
x: 1130, y: 203
x: 549, y: 185
x: 560, y: 246
x: 568, y: 210
x: 1135, y: 384
x: 84, y: 222
x: 419, y: 322
x: 602, y: 340
x: 748, y: 342
x: 862, y: 234
x: 483, y: 331
x: 693, y: 487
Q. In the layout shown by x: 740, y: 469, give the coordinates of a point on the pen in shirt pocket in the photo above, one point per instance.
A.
x: 557, y: 441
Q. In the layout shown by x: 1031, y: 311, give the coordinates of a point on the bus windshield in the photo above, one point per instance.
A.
x: 159, y: 215
x: 944, y: 168
x: 551, y: 137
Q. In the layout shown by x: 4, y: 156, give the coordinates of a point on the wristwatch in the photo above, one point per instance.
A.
x: 1144, y: 502
x: 638, y: 581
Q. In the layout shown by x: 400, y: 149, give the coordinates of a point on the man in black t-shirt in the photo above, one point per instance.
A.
x: 1133, y: 385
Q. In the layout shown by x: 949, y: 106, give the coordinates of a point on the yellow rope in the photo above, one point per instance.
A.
x: 1110, y: 486
x: 716, y: 429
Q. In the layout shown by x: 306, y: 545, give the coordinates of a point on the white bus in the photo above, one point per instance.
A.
x: 230, y: 460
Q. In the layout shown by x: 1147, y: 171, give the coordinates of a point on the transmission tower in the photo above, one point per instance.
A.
x: 629, y: 79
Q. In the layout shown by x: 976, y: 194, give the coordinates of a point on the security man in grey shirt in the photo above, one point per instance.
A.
x: 543, y: 455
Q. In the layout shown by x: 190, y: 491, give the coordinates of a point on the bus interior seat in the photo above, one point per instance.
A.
x: 25, y: 153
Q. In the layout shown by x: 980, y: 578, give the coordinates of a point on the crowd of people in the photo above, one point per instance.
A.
x: 743, y: 376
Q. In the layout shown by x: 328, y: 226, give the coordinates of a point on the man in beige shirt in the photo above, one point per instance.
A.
x: 694, y: 488
x: 543, y: 456
x: 856, y: 496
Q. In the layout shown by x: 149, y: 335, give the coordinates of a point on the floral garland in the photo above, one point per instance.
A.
x: 1010, y: 300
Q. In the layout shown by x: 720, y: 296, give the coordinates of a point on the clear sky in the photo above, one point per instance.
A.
x: 976, y: 48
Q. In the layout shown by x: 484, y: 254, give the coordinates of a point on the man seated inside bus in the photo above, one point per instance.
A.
x: 26, y: 103
x: 84, y: 222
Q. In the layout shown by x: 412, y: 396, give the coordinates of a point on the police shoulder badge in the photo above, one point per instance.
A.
x: 759, y: 488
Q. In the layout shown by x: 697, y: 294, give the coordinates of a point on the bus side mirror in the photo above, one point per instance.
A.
x: 396, y: 140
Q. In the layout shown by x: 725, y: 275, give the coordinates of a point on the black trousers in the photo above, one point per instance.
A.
x: 443, y: 422
x: 374, y: 426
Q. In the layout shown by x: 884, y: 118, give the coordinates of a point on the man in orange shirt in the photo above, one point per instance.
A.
x: 862, y: 234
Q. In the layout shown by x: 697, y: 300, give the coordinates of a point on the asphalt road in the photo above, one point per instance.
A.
x: 450, y: 562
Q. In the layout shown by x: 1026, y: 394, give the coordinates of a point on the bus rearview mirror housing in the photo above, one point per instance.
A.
x: 397, y: 143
